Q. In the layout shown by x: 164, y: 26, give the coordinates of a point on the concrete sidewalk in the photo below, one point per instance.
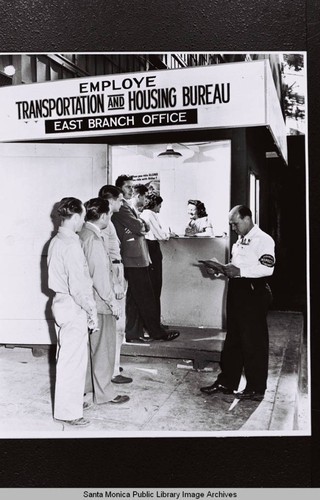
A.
x: 165, y: 399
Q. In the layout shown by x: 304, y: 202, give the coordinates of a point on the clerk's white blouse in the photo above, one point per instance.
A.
x: 200, y: 225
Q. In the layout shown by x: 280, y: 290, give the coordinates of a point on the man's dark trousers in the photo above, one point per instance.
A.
x: 247, y: 340
x: 156, y: 271
x: 141, y: 307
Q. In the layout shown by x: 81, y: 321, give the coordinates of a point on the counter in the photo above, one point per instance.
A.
x: 191, y: 297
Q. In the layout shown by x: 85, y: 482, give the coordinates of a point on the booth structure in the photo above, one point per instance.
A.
x: 69, y: 137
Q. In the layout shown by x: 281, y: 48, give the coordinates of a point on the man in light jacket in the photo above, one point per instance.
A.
x: 103, y: 341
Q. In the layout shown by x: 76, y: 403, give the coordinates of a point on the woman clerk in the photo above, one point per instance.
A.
x: 199, y: 224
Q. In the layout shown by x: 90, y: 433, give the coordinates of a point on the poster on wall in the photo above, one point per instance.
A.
x: 151, y: 181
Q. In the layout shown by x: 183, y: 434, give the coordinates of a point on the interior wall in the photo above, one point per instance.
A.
x: 33, y: 178
x: 202, y: 172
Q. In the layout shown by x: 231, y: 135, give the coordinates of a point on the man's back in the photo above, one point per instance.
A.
x: 67, y: 267
x: 99, y: 267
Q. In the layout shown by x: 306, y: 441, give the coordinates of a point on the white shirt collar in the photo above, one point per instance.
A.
x: 247, y: 237
x: 68, y: 232
x: 130, y: 203
x: 94, y: 226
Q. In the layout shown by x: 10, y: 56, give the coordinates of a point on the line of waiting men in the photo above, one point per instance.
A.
x: 95, y: 275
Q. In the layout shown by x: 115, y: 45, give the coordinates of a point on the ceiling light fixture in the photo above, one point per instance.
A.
x: 10, y: 70
x: 169, y: 152
x: 199, y: 157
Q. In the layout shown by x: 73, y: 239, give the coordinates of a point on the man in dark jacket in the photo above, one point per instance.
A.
x: 141, y: 308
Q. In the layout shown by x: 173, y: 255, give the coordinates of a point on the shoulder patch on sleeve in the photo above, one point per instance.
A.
x: 267, y: 260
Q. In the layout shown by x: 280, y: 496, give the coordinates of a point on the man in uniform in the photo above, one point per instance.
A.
x: 74, y: 311
x: 141, y: 307
x: 246, y: 345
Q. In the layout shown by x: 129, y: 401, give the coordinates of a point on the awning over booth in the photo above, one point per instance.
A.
x: 231, y: 95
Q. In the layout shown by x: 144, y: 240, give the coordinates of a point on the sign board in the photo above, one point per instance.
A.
x: 216, y: 96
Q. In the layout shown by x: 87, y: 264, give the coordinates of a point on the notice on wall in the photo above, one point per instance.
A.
x: 150, y: 180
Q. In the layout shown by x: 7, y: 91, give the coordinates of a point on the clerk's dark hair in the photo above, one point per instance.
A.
x: 153, y: 199
x: 95, y: 208
x: 140, y: 189
x: 201, y: 209
x: 68, y: 207
x: 122, y: 179
x: 244, y: 211
x: 109, y: 191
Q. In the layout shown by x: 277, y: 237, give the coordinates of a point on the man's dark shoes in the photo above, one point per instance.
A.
x: 118, y: 400
x: 171, y: 335
x: 139, y: 340
x: 78, y: 422
x: 87, y: 405
x: 121, y: 379
x: 249, y: 395
x: 166, y: 327
x: 216, y: 388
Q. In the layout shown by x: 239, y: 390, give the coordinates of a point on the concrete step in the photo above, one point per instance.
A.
x: 201, y: 345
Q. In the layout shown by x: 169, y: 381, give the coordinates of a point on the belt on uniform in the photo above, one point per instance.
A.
x: 117, y: 261
x: 246, y: 283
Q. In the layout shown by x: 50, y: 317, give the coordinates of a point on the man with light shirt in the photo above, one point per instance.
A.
x: 114, y: 196
x: 102, y: 342
x: 74, y: 311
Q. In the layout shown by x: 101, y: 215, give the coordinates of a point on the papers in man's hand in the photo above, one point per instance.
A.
x: 214, y: 264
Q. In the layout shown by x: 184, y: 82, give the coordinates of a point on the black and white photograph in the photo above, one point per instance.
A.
x: 154, y: 244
